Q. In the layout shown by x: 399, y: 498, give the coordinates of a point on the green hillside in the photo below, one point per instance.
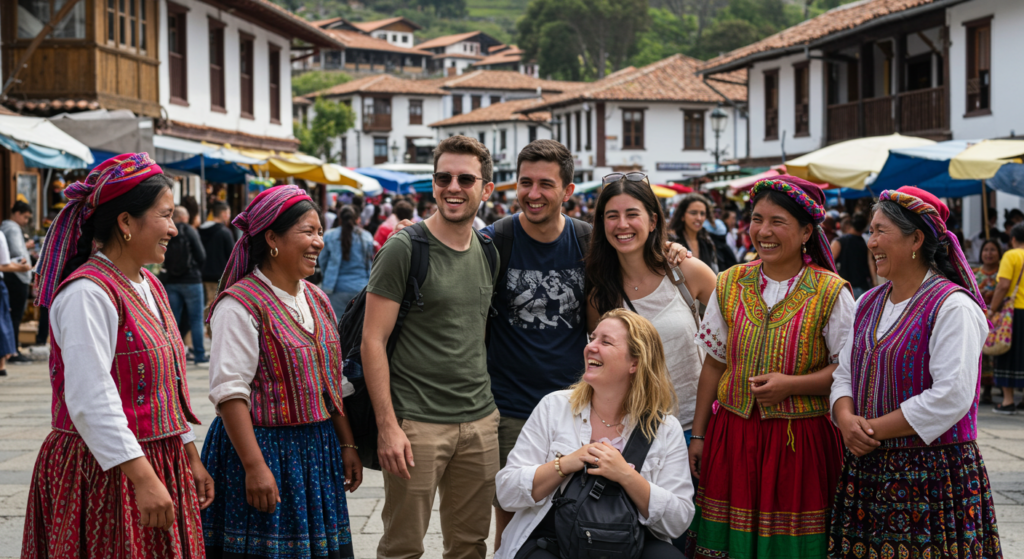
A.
x: 511, y: 9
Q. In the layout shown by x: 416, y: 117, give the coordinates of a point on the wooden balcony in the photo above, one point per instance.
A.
x: 377, y: 123
x: 921, y: 112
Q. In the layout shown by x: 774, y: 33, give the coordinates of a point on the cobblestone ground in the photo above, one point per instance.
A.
x: 25, y: 417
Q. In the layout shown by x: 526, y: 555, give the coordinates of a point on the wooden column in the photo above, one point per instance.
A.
x: 899, y: 85
x: 599, y: 115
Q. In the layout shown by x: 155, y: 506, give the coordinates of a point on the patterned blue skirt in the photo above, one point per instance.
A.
x: 312, y: 518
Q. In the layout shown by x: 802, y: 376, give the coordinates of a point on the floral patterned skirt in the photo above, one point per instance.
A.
x: 933, y: 502
x: 312, y: 518
x: 75, y: 509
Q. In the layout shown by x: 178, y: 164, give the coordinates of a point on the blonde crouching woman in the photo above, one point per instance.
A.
x: 625, y: 379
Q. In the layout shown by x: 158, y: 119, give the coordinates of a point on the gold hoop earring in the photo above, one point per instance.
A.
x: 127, y: 237
x: 273, y: 252
x: 913, y: 255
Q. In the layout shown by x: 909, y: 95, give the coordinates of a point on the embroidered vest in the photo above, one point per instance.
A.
x: 149, y: 359
x: 784, y: 339
x: 298, y: 379
x: 890, y: 367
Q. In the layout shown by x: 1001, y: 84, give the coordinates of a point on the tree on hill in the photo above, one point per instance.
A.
x: 602, y: 33
x: 308, y: 82
x: 330, y: 120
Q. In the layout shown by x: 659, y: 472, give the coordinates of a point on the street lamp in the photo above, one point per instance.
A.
x: 718, y: 118
x: 394, y: 151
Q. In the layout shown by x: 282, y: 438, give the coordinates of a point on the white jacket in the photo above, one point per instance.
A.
x: 552, y: 428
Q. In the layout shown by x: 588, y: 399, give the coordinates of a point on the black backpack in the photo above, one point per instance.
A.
x: 504, y: 235
x: 178, y: 258
x: 594, y: 517
x: 358, y: 407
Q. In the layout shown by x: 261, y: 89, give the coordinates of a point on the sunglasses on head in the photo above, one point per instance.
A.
x: 635, y: 176
x: 466, y: 180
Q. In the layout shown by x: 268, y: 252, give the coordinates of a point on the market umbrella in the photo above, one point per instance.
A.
x: 926, y: 167
x: 850, y: 163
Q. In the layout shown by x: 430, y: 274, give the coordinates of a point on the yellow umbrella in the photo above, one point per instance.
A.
x: 326, y: 174
x: 849, y: 163
x: 982, y: 160
x: 662, y: 192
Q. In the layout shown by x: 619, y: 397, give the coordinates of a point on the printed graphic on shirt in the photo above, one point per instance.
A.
x: 539, y: 302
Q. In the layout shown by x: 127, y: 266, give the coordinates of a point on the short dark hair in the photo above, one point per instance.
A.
x: 403, y: 210
x: 859, y: 222
x: 549, y: 150
x: 1018, y: 232
x: 468, y: 146
x: 218, y: 208
x: 20, y: 207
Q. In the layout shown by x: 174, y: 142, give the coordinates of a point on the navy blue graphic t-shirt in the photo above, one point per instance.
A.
x: 538, y: 336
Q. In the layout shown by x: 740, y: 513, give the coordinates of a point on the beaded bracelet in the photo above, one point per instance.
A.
x: 558, y: 467
x: 352, y: 446
x: 696, y: 437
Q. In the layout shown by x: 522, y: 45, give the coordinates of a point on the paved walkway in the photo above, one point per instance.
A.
x: 25, y: 419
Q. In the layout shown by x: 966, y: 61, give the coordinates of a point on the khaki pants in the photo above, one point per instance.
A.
x: 459, y: 461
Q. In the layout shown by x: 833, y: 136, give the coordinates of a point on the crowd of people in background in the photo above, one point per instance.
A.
x: 518, y: 354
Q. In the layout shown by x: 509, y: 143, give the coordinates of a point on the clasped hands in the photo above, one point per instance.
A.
x: 603, y: 460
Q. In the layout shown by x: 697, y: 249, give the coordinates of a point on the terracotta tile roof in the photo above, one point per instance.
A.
x: 445, y: 55
x: 671, y: 79
x: 300, y: 100
x: 508, y: 80
x: 357, y: 40
x: 51, y: 106
x: 814, y: 30
x: 513, y: 54
x: 508, y: 111
x: 447, y: 40
x: 369, y: 26
x: 383, y: 83
x: 282, y: 21
x: 201, y: 133
x: 321, y: 23
x: 5, y: 112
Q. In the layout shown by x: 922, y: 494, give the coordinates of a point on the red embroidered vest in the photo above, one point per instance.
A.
x: 149, y: 359
x: 298, y: 379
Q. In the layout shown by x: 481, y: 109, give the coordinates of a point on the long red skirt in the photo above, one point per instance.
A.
x: 75, y: 509
x: 766, y: 487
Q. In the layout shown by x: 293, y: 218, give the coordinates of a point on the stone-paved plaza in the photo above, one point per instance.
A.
x: 25, y: 422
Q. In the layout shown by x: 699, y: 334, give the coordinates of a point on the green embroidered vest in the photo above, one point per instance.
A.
x: 784, y: 339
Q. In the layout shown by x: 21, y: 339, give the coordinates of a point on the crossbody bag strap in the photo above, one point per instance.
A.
x: 635, y: 453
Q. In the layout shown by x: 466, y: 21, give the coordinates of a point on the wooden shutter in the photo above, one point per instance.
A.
x: 217, y: 66
x: 245, y: 73
x: 275, y: 84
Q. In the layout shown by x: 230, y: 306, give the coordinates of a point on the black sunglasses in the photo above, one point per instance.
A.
x: 633, y: 177
x: 466, y: 180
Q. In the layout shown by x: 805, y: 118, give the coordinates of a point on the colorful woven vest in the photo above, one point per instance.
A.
x: 785, y: 340
x: 149, y: 360
x: 298, y: 379
x: 888, y: 371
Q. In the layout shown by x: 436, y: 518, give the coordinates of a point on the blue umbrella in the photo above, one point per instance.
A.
x: 394, y: 181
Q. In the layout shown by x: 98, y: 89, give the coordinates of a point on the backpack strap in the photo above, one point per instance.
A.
x: 419, y: 261
x: 583, y: 232
x: 490, y: 253
x: 504, y: 236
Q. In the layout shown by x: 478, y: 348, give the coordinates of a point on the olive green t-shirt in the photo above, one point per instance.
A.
x: 439, y: 367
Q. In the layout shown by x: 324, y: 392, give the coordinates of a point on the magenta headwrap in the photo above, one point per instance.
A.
x: 934, y: 213
x: 262, y: 211
x: 811, y: 198
x: 107, y: 181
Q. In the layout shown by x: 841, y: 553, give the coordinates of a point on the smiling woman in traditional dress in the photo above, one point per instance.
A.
x: 118, y: 475
x: 774, y: 328
x: 905, y: 396
x: 280, y: 450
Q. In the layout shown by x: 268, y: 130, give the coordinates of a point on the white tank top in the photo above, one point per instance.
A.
x: 669, y: 314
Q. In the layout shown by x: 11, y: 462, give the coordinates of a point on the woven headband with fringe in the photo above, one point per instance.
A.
x: 260, y: 214
x: 107, y: 181
x: 815, y: 210
x: 933, y: 220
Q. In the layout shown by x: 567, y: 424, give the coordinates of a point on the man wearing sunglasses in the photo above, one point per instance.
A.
x: 437, y: 422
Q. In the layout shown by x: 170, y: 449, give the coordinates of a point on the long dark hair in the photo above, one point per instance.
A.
x: 347, y: 222
x: 102, y: 226
x: 933, y: 252
x: 259, y: 250
x: 678, y: 226
x: 603, y: 272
